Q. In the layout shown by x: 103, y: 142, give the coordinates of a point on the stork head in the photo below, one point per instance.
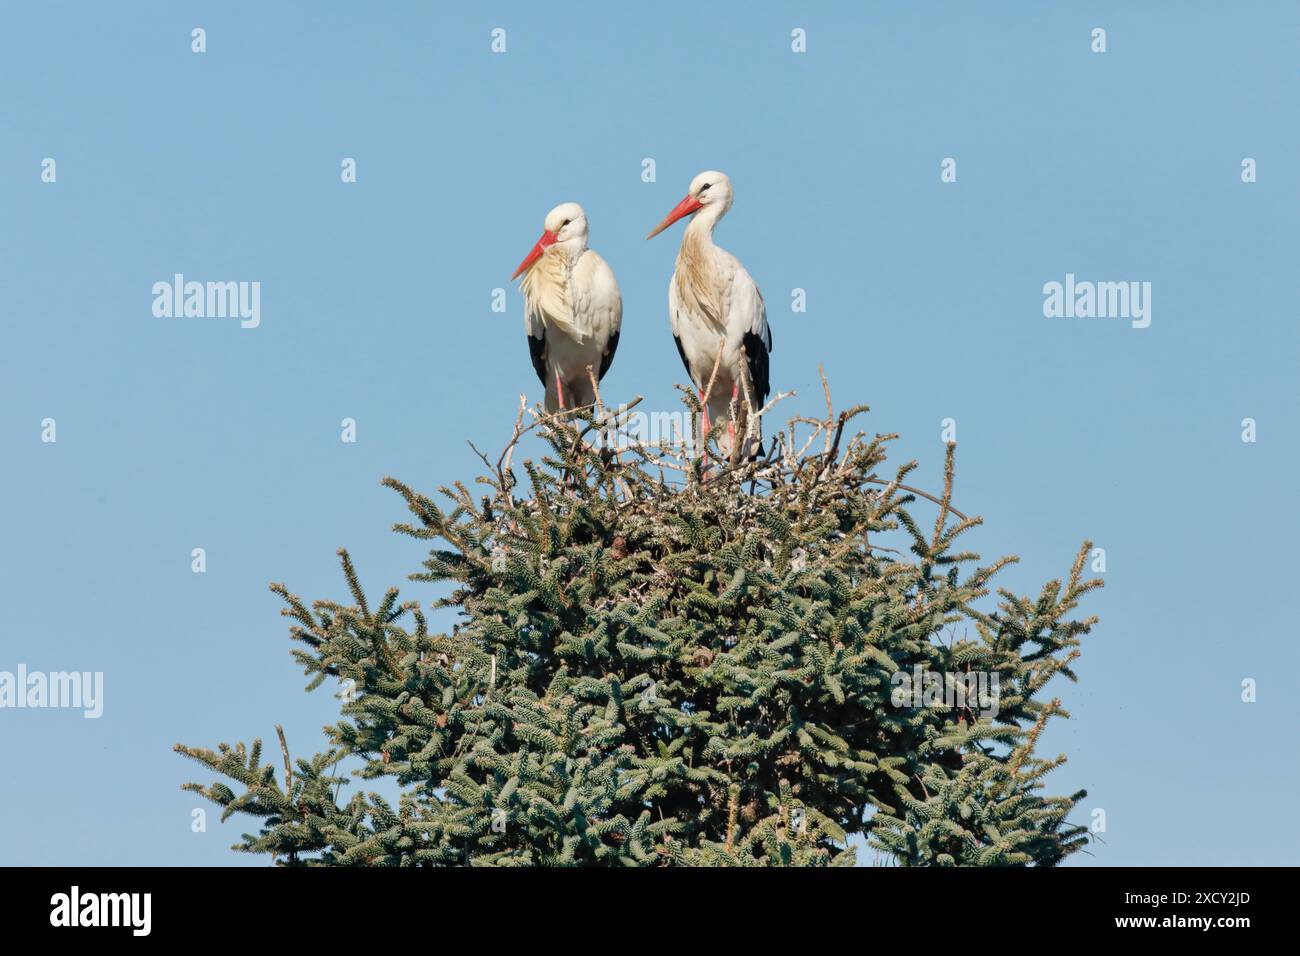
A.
x: 710, y: 190
x: 565, y: 228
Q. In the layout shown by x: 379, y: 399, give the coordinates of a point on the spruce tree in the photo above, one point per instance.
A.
x: 664, y: 658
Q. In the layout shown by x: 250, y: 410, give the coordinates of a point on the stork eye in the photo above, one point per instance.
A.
x: 565, y: 223
x: 704, y: 187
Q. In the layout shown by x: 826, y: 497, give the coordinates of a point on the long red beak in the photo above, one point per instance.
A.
x: 683, y: 208
x: 548, y: 238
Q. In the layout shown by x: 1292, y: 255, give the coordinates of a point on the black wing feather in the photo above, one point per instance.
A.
x: 537, y: 352
x: 682, y: 352
x: 607, y: 359
x: 756, y: 354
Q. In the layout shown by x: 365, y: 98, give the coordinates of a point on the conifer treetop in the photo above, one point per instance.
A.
x: 661, y: 657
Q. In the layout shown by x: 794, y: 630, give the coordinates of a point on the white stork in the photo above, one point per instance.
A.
x: 712, y: 303
x: 572, y: 309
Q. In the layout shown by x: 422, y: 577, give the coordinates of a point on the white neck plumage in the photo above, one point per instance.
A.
x: 700, y: 228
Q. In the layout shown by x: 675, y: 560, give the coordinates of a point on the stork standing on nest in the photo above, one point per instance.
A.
x: 714, y: 304
x: 572, y: 309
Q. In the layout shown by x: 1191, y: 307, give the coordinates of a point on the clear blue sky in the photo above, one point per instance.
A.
x: 924, y: 300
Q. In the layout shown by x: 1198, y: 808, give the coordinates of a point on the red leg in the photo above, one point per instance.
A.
x: 704, y: 414
x: 731, y: 425
x: 559, y: 389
